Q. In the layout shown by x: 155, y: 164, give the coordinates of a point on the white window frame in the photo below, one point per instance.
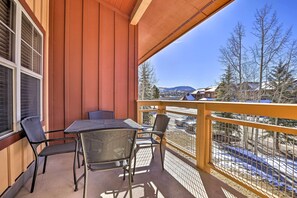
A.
x: 17, y: 69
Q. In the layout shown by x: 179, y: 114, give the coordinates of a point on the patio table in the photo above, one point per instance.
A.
x: 80, y: 126
x: 83, y: 126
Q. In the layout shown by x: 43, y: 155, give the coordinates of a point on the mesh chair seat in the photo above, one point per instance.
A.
x: 58, y: 149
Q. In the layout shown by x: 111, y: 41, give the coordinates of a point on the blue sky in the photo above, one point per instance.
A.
x: 193, y: 59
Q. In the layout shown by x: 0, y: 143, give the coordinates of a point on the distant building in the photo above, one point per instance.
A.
x: 188, y: 97
x: 201, y: 94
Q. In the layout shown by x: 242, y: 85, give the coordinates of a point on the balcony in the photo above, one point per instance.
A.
x: 192, y: 158
x: 89, y: 61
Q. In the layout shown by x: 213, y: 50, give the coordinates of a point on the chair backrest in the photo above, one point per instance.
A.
x: 96, y: 115
x: 111, y: 145
x: 33, y: 129
x: 161, y: 123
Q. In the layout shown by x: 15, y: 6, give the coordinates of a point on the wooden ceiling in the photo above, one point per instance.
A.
x: 166, y: 20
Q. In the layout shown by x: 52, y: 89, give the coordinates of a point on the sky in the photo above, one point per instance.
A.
x: 193, y: 59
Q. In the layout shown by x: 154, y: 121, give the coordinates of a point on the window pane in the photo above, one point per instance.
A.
x: 30, y: 96
x: 27, y: 30
x: 7, y: 34
x: 36, y: 63
x: 7, y: 12
x: 5, y: 99
x: 37, y: 41
x: 26, y: 56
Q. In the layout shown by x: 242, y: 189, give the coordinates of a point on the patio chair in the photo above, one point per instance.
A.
x: 159, y: 129
x: 96, y: 115
x: 36, y: 136
x: 108, y: 149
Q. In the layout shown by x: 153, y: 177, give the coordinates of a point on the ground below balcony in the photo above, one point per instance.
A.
x: 180, y: 179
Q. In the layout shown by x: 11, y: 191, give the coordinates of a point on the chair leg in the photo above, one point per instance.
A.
x: 34, y: 175
x: 134, y: 167
x: 152, y: 149
x: 74, y: 172
x: 85, y: 181
x: 161, y: 154
x: 44, y: 164
x: 78, y: 160
x: 124, y: 177
x: 130, y: 179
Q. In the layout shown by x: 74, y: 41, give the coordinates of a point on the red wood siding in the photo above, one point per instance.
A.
x: 92, y: 62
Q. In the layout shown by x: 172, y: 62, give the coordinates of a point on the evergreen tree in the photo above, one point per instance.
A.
x: 146, y: 80
x: 226, y: 92
x: 282, y: 84
x: 156, y: 92
x: 227, y: 89
x: 283, y: 90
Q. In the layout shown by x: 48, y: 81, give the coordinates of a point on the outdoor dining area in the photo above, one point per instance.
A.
x: 117, y: 149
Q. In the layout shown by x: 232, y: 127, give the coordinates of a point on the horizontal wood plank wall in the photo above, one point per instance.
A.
x: 92, y: 62
x: 19, y: 155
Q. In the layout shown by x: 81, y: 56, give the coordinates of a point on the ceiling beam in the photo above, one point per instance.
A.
x: 139, y: 9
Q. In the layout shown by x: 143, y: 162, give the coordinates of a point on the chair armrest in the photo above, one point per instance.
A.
x: 53, y: 131
x: 145, y: 127
x: 158, y: 133
x: 57, y: 139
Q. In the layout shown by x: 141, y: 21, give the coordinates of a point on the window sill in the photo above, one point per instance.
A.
x: 10, y: 138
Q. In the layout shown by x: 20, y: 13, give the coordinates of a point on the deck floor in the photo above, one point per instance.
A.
x: 180, y: 179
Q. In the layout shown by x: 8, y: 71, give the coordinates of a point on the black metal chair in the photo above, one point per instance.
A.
x: 96, y: 115
x: 159, y: 129
x: 108, y: 149
x: 36, y: 136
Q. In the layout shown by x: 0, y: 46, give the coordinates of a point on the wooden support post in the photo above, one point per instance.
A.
x: 203, y: 138
x: 139, y: 113
x: 161, y: 109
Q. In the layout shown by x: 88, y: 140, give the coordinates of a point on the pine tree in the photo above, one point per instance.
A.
x: 226, y: 89
x: 283, y: 90
x: 156, y: 92
x: 226, y: 92
x: 146, y: 80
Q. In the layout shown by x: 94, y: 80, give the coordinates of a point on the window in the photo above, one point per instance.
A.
x: 7, y: 29
x: 5, y: 99
x: 20, y: 66
x: 30, y: 96
x: 30, y: 47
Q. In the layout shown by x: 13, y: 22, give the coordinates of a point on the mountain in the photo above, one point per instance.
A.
x: 176, y: 89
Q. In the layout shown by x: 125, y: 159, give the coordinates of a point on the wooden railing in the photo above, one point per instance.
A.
x: 212, y: 152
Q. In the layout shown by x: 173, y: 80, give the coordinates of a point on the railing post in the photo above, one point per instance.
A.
x: 161, y: 109
x: 203, y: 138
x: 139, y: 113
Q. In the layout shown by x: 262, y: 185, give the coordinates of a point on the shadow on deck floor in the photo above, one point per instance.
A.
x: 179, y: 180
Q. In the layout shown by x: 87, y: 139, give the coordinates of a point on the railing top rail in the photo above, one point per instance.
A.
x: 268, y: 127
x: 287, y: 111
